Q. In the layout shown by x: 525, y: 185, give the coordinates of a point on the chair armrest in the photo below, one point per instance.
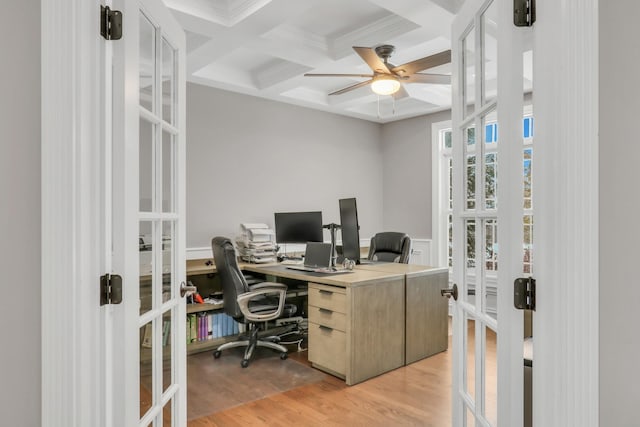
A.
x: 244, y: 299
x: 272, y: 285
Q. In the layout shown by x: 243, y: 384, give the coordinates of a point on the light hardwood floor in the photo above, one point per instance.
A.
x: 415, y: 395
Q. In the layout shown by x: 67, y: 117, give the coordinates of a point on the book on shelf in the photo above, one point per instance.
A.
x: 147, y: 336
x: 166, y: 328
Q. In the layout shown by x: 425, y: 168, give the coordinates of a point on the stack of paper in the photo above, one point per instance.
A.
x: 256, y: 243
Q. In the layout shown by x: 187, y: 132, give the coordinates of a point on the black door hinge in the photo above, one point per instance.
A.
x: 110, y: 289
x: 524, y: 12
x: 110, y: 23
x: 524, y: 293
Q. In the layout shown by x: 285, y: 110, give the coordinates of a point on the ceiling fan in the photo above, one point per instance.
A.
x: 386, y: 77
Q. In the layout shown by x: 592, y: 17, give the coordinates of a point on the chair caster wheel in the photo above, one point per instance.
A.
x: 216, y: 354
x: 283, y: 356
x: 244, y: 363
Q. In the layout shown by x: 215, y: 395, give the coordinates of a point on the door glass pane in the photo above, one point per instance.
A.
x: 168, y: 67
x: 469, y: 75
x: 528, y: 157
x: 146, y: 378
x: 470, y: 262
x: 168, y: 171
x: 146, y: 264
x: 471, y: 420
x: 490, y: 53
x: 491, y: 246
x: 527, y: 260
x: 490, y: 180
x: 471, y: 181
x: 491, y: 267
x: 470, y: 135
x: 450, y: 240
x: 491, y: 377
x: 168, y: 270
x: 147, y: 61
x: 167, y: 420
x: 167, y: 360
x: 146, y: 162
x: 470, y: 358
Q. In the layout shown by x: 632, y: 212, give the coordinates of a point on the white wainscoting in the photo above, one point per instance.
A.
x: 199, y: 253
x: 420, y: 252
x: 205, y: 251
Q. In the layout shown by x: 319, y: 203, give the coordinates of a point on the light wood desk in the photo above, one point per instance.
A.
x: 426, y: 318
x: 370, y: 321
x: 356, y: 320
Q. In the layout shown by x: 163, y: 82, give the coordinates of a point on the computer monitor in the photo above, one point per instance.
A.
x: 298, y: 227
x: 350, y: 229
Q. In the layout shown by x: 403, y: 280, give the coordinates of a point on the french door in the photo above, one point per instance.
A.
x: 148, y: 365
x: 487, y: 214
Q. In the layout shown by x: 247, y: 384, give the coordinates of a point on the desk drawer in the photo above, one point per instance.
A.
x: 328, y: 297
x: 326, y: 317
x: 328, y: 348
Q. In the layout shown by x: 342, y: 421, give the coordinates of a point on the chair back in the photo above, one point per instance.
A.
x: 390, y: 246
x: 233, y: 282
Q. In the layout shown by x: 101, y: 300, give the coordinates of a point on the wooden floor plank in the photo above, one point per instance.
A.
x: 415, y: 395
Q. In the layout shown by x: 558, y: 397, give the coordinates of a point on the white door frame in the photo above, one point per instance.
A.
x: 565, y: 323
x: 566, y: 345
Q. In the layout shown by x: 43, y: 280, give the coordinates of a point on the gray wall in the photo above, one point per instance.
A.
x: 20, y: 213
x: 248, y: 157
x: 619, y: 207
x: 407, y: 174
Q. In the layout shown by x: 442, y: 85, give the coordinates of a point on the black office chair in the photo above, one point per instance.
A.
x: 390, y: 246
x: 248, y: 304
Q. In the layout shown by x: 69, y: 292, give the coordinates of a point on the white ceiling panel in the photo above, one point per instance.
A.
x: 264, y: 47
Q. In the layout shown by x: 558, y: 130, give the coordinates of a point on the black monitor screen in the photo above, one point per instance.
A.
x: 350, y: 229
x: 298, y: 227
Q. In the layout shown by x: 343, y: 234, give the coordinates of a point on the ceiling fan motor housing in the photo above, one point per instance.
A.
x: 384, y: 51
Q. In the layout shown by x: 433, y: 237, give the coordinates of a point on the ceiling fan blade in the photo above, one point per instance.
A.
x: 423, y: 63
x: 352, y: 87
x: 438, y: 79
x: 337, y: 75
x: 372, y: 59
x: 401, y: 93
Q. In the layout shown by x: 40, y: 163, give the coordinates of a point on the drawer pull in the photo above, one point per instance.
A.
x: 326, y: 328
x: 322, y: 291
x: 326, y: 311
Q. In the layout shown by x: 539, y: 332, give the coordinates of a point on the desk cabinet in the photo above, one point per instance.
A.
x: 357, y: 332
x: 427, y: 314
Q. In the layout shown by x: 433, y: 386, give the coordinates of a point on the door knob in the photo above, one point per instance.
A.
x: 451, y: 292
x: 187, y: 290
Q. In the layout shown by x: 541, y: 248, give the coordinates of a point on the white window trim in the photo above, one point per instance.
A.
x: 438, y: 198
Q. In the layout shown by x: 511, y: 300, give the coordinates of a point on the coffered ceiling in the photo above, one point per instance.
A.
x: 264, y: 47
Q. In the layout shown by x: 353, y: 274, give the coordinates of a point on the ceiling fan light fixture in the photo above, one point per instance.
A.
x: 385, y: 84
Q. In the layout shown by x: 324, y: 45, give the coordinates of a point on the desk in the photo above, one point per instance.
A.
x: 426, y: 315
x: 364, y: 323
x: 356, y: 320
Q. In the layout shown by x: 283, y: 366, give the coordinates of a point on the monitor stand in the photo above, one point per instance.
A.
x: 332, y: 229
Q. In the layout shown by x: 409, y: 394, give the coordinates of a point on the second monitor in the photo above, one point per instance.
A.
x: 350, y: 229
x: 298, y: 227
